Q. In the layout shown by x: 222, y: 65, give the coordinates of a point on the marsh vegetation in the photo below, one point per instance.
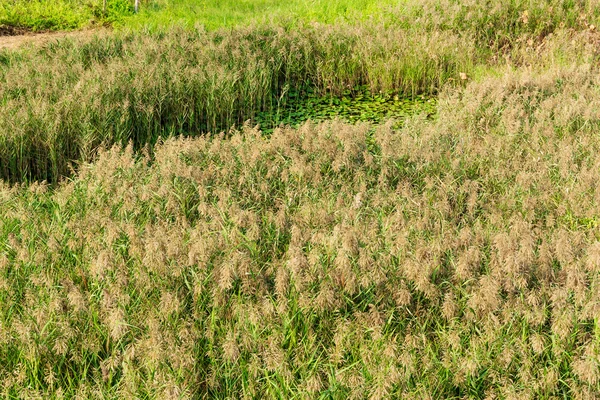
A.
x: 172, y: 226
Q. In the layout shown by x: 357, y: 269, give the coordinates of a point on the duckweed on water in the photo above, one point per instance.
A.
x: 352, y: 106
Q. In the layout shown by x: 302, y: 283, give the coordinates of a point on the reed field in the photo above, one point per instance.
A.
x: 400, y: 206
x: 61, y: 101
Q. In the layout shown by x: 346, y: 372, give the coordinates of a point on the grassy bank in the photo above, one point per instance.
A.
x: 453, y: 258
x: 213, y: 14
x: 494, y: 21
x: 38, y: 15
x: 58, y: 15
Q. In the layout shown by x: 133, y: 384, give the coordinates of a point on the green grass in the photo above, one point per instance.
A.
x: 492, y: 24
x: 58, y: 15
x: 161, y: 14
x: 214, y: 14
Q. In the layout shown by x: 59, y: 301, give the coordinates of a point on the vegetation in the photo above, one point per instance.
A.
x: 351, y: 106
x: 450, y: 252
x: 43, y: 15
x: 452, y: 258
x: 40, y: 15
x: 60, y: 102
x: 213, y: 14
x: 493, y: 21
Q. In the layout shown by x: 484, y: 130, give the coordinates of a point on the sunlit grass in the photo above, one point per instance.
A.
x: 217, y: 13
x: 163, y: 14
x: 54, y: 15
x: 450, y: 257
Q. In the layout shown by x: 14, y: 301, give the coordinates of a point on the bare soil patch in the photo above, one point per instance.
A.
x: 12, y: 38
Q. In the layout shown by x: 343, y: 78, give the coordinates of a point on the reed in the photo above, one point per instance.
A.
x: 62, y: 101
x: 452, y: 258
x: 449, y: 257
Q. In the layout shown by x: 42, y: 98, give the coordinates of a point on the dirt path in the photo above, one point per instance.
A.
x: 18, y: 39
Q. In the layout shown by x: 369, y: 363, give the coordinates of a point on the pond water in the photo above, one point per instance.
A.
x: 355, y: 106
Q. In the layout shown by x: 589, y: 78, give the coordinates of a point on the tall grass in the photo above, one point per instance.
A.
x: 453, y: 258
x: 60, y: 102
x: 498, y: 24
x: 456, y: 258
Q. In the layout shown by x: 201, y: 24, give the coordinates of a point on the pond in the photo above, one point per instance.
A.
x: 351, y: 106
